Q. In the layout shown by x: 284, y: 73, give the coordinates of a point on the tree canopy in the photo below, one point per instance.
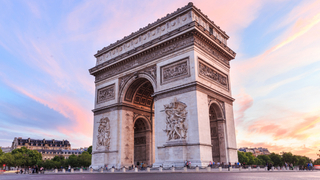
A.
x: 276, y: 159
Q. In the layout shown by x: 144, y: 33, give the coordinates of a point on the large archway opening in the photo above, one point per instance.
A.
x: 139, y: 96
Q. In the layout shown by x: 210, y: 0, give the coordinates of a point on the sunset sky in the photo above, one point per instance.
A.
x: 47, y: 47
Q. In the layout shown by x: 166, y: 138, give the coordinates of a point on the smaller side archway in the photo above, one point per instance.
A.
x: 142, y: 141
x: 217, y: 132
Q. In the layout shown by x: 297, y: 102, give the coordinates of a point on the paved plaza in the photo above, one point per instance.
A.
x: 169, y: 175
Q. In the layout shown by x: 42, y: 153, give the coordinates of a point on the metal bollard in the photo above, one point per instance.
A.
x: 72, y: 170
x: 148, y: 169
x: 123, y: 169
x: 81, y: 170
x: 135, y: 169
x: 185, y: 169
x: 63, y: 170
x: 220, y: 168
x: 56, y: 171
x: 197, y: 168
x: 112, y: 170
x: 172, y: 169
x: 160, y: 169
x: 209, y: 169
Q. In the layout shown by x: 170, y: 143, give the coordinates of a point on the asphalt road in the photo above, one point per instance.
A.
x: 170, y: 176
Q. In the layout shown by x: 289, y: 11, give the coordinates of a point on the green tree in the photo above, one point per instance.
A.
x: 265, y: 159
x: 276, y: 159
x: 317, y: 162
x: 84, y: 159
x: 26, y: 157
x: 8, y: 159
x: 1, y: 152
x: 90, y: 149
x: 242, y: 157
x: 287, y: 157
x: 73, y: 161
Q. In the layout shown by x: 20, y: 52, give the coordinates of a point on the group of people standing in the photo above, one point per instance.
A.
x: 31, y: 170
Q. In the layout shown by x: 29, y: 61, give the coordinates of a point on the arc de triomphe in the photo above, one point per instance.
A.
x: 163, y: 95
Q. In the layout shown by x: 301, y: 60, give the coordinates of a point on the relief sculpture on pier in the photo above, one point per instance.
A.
x: 176, y: 114
x: 104, y: 133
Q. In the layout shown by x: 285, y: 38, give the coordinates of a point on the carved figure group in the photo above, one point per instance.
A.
x: 104, y: 133
x: 175, y: 117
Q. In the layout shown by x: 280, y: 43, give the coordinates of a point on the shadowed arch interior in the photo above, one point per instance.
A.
x: 213, y: 116
x: 139, y: 92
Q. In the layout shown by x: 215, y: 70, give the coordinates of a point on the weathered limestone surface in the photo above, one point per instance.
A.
x: 163, y: 95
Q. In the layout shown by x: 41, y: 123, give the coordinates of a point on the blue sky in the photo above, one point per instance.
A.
x: 47, y: 47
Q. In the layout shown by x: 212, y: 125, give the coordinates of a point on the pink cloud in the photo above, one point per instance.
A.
x: 244, y: 101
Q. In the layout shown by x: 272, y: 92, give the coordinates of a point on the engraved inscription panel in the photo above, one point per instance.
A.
x: 213, y: 74
x: 175, y: 71
x: 105, y: 94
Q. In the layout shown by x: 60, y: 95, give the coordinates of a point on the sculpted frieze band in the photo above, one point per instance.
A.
x: 212, y: 74
x: 175, y: 71
x: 164, y: 49
x: 105, y: 94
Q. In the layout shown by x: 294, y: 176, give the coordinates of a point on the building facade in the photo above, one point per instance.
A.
x: 37, y: 144
x: 6, y: 149
x: 163, y: 95
x: 48, y: 148
x: 256, y: 151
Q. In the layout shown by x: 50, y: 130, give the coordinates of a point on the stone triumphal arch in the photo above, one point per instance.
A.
x: 163, y: 95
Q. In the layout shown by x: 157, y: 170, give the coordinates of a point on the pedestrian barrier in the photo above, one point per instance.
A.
x: 220, y: 168
x: 63, y: 170
x: 148, y: 169
x: 56, y: 170
x: 249, y: 168
x: 240, y: 168
x: 81, y: 170
x: 160, y: 169
x: 123, y: 169
x: 209, y: 169
x: 72, y: 170
x: 135, y: 169
x: 197, y: 168
x: 112, y: 170
x: 258, y: 168
x: 272, y: 168
x: 91, y: 170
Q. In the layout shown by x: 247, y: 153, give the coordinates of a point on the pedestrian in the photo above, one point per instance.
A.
x: 107, y: 167
x: 210, y: 164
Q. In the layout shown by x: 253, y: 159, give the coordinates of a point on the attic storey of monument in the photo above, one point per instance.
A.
x: 163, y: 95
